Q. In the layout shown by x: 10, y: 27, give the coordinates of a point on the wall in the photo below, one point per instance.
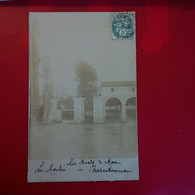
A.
x: 122, y: 93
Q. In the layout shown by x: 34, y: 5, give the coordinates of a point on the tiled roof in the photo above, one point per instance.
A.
x: 118, y: 83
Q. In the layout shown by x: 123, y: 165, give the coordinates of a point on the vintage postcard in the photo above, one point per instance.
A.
x: 82, y: 97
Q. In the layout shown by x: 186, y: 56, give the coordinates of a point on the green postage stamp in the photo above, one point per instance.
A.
x: 123, y: 25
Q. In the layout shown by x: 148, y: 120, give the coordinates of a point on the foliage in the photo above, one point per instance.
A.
x: 86, y: 78
x: 65, y: 103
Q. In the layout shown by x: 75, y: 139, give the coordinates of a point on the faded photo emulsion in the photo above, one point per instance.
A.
x: 82, y: 97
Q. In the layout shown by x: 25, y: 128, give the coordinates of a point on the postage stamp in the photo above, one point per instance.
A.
x: 123, y: 25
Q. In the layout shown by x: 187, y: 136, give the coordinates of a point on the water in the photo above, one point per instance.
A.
x: 87, y: 140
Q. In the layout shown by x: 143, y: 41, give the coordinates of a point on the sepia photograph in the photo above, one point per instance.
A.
x: 82, y: 96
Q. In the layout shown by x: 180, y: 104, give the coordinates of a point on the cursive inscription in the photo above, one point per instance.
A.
x: 112, y: 162
x: 71, y: 162
x: 82, y: 165
x: 86, y: 162
x: 52, y: 169
x: 110, y: 169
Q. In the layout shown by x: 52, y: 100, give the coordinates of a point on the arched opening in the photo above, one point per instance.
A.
x: 131, y: 101
x: 131, y: 108
x: 113, y: 109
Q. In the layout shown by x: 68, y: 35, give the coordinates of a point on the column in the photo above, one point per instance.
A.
x: 79, y: 109
x: 98, y: 110
x: 54, y: 114
x: 124, y: 115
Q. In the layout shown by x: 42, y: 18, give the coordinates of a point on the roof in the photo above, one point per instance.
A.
x: 118, y: 83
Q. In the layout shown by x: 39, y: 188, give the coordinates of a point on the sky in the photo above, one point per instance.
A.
x: 66, y: 39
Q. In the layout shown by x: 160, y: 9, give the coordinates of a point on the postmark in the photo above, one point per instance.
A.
x: 123, y: 25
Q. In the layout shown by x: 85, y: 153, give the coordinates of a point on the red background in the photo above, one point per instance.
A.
x: 166, y: 95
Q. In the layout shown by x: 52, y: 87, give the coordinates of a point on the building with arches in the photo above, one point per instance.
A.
x: 116, y: 100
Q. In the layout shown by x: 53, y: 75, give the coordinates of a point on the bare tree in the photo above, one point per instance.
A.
x: 34, y: 71
x: 47, y: 92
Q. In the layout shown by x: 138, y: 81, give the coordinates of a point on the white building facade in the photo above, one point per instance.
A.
x: 116, y: 98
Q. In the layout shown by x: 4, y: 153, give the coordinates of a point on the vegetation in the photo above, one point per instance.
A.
x: 86, y: 78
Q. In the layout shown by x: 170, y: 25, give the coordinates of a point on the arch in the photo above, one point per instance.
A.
x: 113, y: 109
x: 131, y: 108
x: 113, y: 102
x: 131, y: 101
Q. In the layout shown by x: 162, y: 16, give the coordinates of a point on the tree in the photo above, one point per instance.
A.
x: 66, y: 103
x: 34, y: 71
x: 47, y: 93
x: 86, y: 78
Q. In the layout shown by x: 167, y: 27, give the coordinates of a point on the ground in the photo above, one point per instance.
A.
x: 87, y: 140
